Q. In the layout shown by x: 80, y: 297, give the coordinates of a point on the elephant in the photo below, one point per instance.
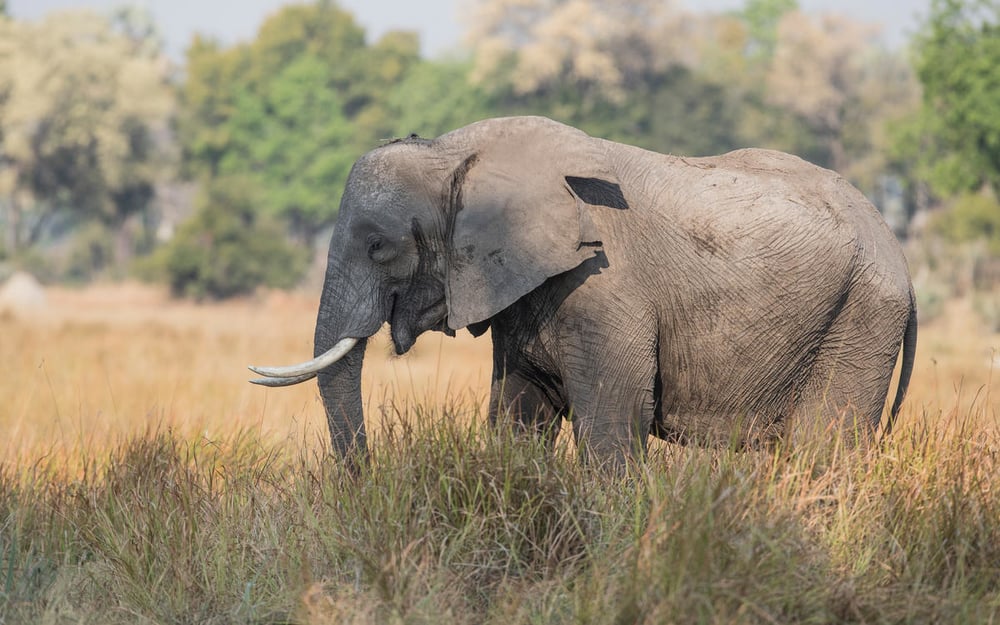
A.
x: 744, y: 298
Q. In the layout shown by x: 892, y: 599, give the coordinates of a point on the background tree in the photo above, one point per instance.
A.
x: 627, y: 71
x: 952, y: 147
x: 762, y: 18
x: 602, y: 48
x: 957, y: 133
x: 84, y: 121
x: 227, y: 247
x: 293, y: 109
x: 831, y: 73
x: 435, y: 97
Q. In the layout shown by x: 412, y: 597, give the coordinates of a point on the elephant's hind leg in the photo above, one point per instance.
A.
x: 850, y: 376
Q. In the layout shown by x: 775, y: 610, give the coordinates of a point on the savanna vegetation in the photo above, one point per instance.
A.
x: 143, y: 480
x: 117, y: 160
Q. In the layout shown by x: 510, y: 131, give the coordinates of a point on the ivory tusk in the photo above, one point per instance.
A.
x: 311, y: 367
x: 282, y: 381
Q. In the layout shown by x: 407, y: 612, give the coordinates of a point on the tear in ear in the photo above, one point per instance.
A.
x: 479, y: 328
x: 598, y: 192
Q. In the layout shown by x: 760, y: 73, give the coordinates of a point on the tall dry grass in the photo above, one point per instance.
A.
x: 107, y: 362
x: 145, y: 481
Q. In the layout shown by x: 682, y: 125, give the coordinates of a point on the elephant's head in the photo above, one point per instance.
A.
x: 440, y: 234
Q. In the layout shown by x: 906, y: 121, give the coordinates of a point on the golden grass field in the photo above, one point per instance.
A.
x: 105, y: 362
x: 144, y: 480
x: 99, y: 364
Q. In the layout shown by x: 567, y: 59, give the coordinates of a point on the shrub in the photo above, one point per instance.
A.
x: 227, y: 248
x: 987, y: 306
x: 971, y: 218
x: 91, y: 251
x: 932, y: 293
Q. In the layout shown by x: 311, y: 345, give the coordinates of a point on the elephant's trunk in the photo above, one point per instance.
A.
x: 340, y: 388
x: 350, y: 309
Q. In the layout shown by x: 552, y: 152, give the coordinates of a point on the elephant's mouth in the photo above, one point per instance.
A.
x: 406, y: 327
x: 435, y: 316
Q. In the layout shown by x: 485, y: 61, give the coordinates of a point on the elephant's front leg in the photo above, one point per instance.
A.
x: 610, y: 385
x: 518, y: 401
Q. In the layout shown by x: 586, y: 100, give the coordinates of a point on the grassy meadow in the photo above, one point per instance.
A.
x: 144, y: 481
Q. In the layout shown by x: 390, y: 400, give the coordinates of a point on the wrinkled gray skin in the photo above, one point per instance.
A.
x: 735, y: 298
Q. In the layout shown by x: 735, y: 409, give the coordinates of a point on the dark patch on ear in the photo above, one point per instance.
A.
x: 424, y: 253
x: 455, y: 184
x: 478, y: 328
x: 598, y: 192
x: 457, y: 181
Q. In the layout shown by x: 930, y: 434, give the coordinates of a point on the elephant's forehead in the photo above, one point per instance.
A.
x: 379, y: 198
x: 370, y: 196
x: 385, y: 206
x: 390, y: 194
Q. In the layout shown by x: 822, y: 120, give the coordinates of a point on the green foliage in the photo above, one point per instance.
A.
x: 680, y: 112
x: 957, y: 59
x: 761, y: 18
x: 91, y: 251
x: 434, y: 98
x: 674, y: 111
x: 294, y: 135
x: 227, y: 248
x: 293, y: 109
x: 968, y: 219
x: 466, y: 525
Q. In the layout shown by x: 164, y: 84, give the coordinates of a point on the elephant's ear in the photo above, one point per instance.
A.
x: 518, y: 214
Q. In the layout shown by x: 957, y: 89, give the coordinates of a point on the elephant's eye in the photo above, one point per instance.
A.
x: 375, y: 242
x: 378, y: 250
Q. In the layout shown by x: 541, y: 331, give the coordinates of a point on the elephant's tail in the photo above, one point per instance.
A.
x: 909, y: 350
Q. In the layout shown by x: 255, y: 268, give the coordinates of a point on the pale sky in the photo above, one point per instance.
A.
x: 437, y: 21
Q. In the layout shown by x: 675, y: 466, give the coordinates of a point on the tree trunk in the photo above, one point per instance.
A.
x: 11, y: 239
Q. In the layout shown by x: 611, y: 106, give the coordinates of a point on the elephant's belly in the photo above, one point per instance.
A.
x: 718, y: 429
x: 729, y: 405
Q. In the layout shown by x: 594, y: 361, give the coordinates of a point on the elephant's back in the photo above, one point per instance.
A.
x: 815, y: 197
x: 786, y: 189
x: 755, y: 219
x: 749, y: 257
x: 766, y: 183
x: 757, y: 200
